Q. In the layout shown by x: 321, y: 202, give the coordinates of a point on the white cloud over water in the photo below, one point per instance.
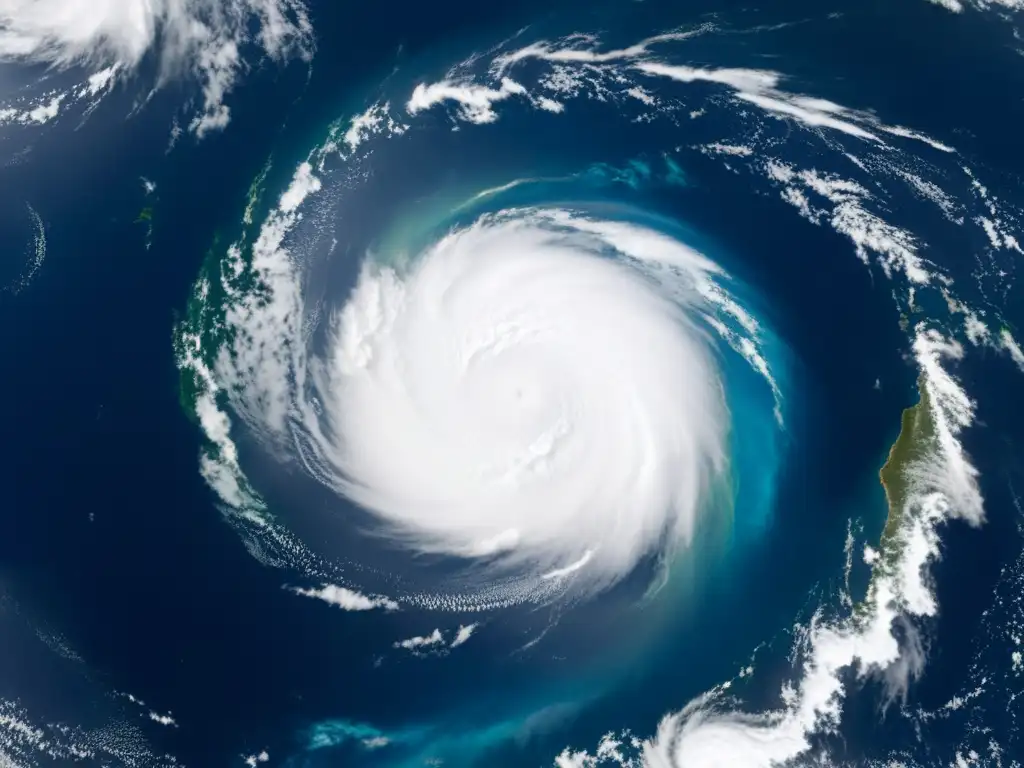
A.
x: 958, y: 6
x: 346, y: 599
x: 879, y: 641
x: 463, y: 634
x: 204, y: 39
x: 476, y: 103
x: 420, y: 642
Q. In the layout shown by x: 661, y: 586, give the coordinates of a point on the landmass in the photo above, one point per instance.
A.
x: 916, y: 438
x: 917, y: 435
x: 146, y: 217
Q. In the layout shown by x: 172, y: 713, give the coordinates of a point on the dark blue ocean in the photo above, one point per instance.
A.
x: 111, y: 541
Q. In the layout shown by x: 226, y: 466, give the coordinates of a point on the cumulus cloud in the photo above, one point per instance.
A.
x: 436, y: 639
x: 167, y: 719
x: 375, y: 120
x: 425, y: 641
x: 847, y: 210
x: 463, y: 634
x: 346, y: 599
x: 476, y: 103
x: 254, y: 760
x: 879, y: 640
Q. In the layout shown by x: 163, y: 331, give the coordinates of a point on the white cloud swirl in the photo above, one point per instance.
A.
x: 518, y: 396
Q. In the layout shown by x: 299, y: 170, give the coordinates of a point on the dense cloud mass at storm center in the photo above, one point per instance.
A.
x: 516, y: 393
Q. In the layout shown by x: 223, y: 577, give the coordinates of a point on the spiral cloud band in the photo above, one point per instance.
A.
x: 517, y: 394
x: 539, y: 394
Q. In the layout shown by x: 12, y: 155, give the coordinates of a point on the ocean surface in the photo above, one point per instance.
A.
x: 130, y: 590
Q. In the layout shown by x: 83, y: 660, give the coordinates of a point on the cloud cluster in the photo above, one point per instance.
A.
x: 201, y: 38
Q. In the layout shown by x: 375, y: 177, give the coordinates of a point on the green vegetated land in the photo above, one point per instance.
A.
x: 917, y: 436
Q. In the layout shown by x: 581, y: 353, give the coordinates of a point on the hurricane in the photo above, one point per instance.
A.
x: 474, y: 399
x: 547, y: 388
x: 535, y: 391
x: 621, y: 385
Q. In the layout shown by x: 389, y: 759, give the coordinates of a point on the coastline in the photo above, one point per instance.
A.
x: 917, y: 431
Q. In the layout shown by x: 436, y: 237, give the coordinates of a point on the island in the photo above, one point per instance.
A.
x: 146, y: 217
x: 917, y: 436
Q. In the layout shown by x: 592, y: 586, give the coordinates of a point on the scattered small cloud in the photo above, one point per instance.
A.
x: 167, y: 719
x: 416, y: 643
x: 346, y: 599
x: 253, y: 760
x: 463, y: 634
